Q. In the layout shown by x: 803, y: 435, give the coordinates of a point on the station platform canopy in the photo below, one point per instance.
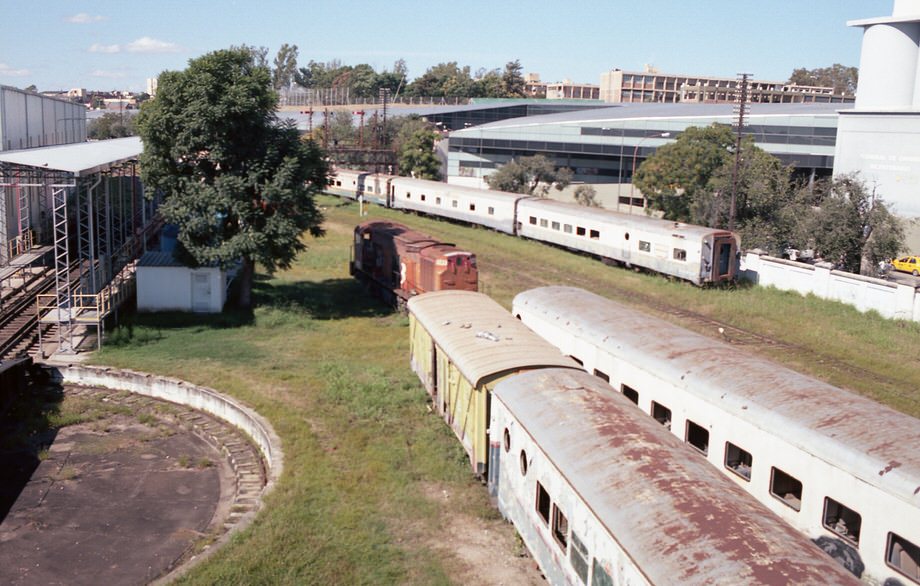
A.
x: 78, y: 159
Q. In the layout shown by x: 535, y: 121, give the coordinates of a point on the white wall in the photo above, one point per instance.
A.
x: 891, y: 300
x: 170, y: 289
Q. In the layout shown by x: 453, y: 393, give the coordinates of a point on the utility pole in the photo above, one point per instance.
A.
x: 741, y: 108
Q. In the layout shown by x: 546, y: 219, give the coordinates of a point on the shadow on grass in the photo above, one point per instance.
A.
x: 329, y: 299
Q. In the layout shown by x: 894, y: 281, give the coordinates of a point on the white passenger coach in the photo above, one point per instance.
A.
x: 841, y: 468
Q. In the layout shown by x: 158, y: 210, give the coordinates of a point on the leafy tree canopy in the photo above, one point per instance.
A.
x: 533, y: 175
x: 237, y: 182
x: 513, y: 80
x: 414, y: 144
x: 586, y: 195
x: 285, y: 67
x: 112, y: 125
x: 843, y: 79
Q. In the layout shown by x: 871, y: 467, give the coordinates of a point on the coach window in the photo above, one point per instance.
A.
x: 543, y: 223
x: 786, y: 488
x: 579, y: 558
x: 556, y: 226
x: 626, y: 236
x: 904, y: 557
x: 472, y: 207
x: 698, y: 437
x: 491, y: 211
x: 595, y: 234
x: 602, y: 375
x: 454, y: 203
x: 738, y: 461
x: 523, y: 463
x: 661, y: 414
x: 543, y: 503
x: 599, y: 575
x: 579, y: 231
x: 630, y: 393
x: 507, y: 438
x: 408, y: 195
x: 680, y: 254
x: 645, y: 246
x: 567, y: 228
x: 533, y: 220
x: 437, y: 201
x: 842, y: 520
x: 560, y: 528
x: 423, y: 197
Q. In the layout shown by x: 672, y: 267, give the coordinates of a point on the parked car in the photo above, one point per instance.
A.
x: 907, y: 264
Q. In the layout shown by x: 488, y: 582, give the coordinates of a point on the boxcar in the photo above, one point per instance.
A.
x: 841, y: 468
x: 697, y: 254
x: 403, y: 262
x: 461, y: 345
x: 602, y: 495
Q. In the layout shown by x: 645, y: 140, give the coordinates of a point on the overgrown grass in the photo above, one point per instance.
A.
x: 328, y: 367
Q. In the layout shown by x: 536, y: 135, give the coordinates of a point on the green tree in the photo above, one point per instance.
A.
x: 111, y: 125
x: 533, y: 175
x: 285, y: 67
x: 676, y: 177
x: 259, y: 54
x: 586, y: 195
x: 443, y: 80
x: 488, y: 84
x: 237, y: 182
x: 850, y: 225
x: 513, y: 80
x: 414, y: 144
x: 843, y: 79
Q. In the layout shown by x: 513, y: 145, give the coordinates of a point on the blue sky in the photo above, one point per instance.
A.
x: 62, y: 44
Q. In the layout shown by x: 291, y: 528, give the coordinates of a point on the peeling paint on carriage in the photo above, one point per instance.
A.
x: 813, y: 451
x: 628, y: 488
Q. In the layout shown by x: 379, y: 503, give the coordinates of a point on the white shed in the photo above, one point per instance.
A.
x: 165, y: 284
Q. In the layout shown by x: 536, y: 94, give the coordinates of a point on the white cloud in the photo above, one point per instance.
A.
x: 149, y: 45
x: 99, y: 48
x: 107, y: 74
x: 84, y: 18
x: 7, y: 71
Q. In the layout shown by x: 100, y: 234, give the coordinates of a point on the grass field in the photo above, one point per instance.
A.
x: 373, y: 482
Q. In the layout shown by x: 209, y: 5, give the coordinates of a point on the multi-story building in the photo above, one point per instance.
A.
x: 568, y: 90
x: 618, y: 86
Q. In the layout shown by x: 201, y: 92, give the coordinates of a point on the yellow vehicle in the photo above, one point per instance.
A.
x: 907, y: 264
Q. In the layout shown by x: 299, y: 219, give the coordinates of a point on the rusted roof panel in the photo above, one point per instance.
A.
x: 872, y: 441
x: 480, y: 336
x: 677, y: 517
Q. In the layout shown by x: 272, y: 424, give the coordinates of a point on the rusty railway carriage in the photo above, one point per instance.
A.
x: 403, y: 263
x: 839, y: 467
x: 693, y: 253
x: 602, y: 495
x: 461, y: 345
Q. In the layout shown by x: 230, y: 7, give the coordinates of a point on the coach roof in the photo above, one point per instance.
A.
x: 481, y: 337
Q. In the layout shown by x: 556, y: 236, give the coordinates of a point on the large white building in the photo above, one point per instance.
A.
x: 880, y: 136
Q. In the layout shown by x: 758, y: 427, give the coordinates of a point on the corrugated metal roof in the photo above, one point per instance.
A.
x: 480, y: 336
x: 874, y: 442
x: 80, y: 159
x: 679, y: 519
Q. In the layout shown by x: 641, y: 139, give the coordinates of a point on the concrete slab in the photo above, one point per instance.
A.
x: 112, y: 502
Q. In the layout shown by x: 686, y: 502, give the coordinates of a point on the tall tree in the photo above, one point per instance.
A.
x: 285, y: 67
x: 414, y: 144
x: 443, y: 80
x: 676, y: 177
x: 238, y: 182
x: 513, y: 80
x: 850, y: 225
x: 533, y: 175
x: 259, y: 54
x: 843, y: 79
x: 111, y: 125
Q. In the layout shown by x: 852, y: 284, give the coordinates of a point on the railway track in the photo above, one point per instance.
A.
x: 19, y: 325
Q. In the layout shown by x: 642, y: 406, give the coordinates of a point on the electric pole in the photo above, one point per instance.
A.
x: 741, y: 109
